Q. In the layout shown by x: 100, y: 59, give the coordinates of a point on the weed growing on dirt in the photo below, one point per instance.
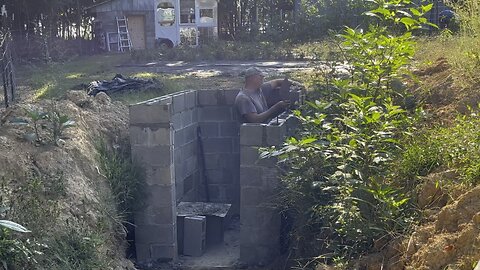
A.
x: 125, y: 179
x: 73, y: 250
x: 48, y: 126
x: 447, y: 147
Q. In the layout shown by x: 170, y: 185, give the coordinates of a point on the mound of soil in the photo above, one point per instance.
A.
x: 74, y: 157
x: 442, y: 92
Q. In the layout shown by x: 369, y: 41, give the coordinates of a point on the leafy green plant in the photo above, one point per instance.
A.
x: 48, y: 125
x: 340, y: 162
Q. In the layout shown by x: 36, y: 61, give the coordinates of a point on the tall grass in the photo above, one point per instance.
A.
x: 462, y: 48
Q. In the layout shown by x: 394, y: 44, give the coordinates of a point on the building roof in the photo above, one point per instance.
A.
x: 98, y: 4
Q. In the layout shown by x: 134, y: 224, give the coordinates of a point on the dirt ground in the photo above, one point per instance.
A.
x: 73, y: 156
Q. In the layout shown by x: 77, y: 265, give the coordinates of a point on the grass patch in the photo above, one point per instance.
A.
x: 455, y: 146
x: 52, y: 80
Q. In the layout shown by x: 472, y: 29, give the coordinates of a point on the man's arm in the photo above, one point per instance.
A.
x: 273, y: 111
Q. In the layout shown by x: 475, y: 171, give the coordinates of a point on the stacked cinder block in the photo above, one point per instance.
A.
x: 219, y: 125
x: 164, y: 141
x: 259, y: 180
x: 195, y: 231
x: 185, y: 123
x: 152, y: 137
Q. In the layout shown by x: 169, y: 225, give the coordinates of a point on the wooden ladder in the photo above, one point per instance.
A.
x: 124, y: 41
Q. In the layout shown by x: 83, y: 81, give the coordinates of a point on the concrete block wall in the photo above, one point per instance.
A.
x: 185, y: 122
x: 259, y: 182
x: 219, y: 126
x: 152, y: 136
x: 163, y: 134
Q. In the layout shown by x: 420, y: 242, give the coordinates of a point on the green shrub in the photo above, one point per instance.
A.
x: 339, y: 181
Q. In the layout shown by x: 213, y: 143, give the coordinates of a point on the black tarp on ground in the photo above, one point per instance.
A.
x: 120, y: 84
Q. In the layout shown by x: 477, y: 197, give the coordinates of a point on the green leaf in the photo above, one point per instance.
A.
x: 408, y: 22
x: 415, y: 12
x: 307, y: 141
x: 13, y: 226
x: 427, y: 8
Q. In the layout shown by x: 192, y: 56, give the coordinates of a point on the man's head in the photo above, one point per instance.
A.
x: 253, y: 77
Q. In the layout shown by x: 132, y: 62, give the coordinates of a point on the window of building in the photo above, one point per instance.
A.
x: 166, y: 13
x: 187, y: 11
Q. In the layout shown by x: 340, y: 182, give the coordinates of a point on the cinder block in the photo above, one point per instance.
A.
x: 217, y: 145
x: 159, y: 175
x: 190, y: 150
x: 215, y: 113
x: 194, y: 235
x: 150, y: 114
x: 260, y: 217
x: 180, y: 172
x: 252, y: 134
x: 143, y: 253
x: 187, y: 118
x: 178, y: 101
x: 271, y: 178
x: 191, y: 99
x: 214, y: 193
x: 254, y: 196
x: 177, y: 121
x: 275, y: 135
x: 210, y: 129
x: 160, y: 195
x: 230, y: 129
x: 150, y: 136
x: 236, y: 145
x: 248, y: 155
x: 214, y: 161
x: 190, y: 133
x: 190, y: 165
x: 215, y: 176
x: 207, y: 98
x: 158, y: 156
x: 230, y: 95
x: 195, y: 116
x: 215, y: 230
x: 179, y: 137
x: 177, y: 154
x: 164, y: 100
x: 156, y: 215
x: 188, y: 184
x: 251, y: 176
x: 179, y: 189
x: 163, y: 252
x: 155, y: 234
